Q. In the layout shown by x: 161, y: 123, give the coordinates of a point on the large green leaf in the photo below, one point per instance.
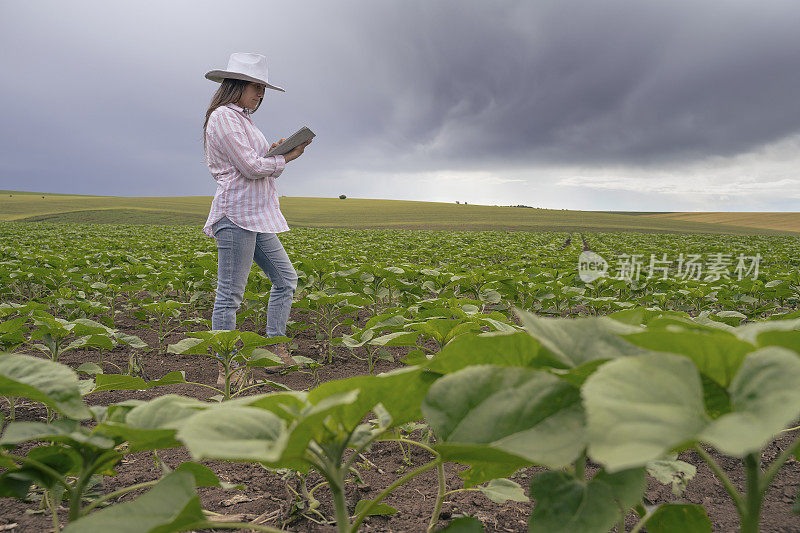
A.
x: 484, y: 412
x: 686, y: 323
x: 765, y: 397
x: 314, y: 422
x: 499, y: 349
x: 59, y: 431
x: 235, y: 434
x: 172, y: 505
x: 786, y: 339
x: 751, y: 332
x: 578, y: 341
x: 568, y: 505
x: 717, y: 355
x: 44, y: 381
x: 639, y: 408
x: 673, y: 517
x: 400, y: 391
x: 165, y: 412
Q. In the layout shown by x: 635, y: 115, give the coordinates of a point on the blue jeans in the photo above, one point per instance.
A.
x: 237, y: 248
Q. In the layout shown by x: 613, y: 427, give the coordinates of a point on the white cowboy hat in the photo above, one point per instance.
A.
x: 244, y: 66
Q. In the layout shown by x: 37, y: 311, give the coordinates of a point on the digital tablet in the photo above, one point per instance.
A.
x: 296, y: 139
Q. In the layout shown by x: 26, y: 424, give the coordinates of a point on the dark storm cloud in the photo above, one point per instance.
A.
x: 109, y: 98
x: 590, y: 82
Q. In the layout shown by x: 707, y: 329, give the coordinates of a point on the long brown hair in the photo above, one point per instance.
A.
x: 229, y: 92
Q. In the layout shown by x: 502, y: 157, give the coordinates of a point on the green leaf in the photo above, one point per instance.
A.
x: 165, y: 412
x: 171, y: 378
x: 172, y: 505
x: 673, y: 517
x: 106, y: 382
x: 398, y: 338
x: 41, y: 380
x: 235, y: 434
x: 465, y: 524
x: 131, y: 340
x: 501, y: 490
x: 63, y: 459
x: 59, y: 431
x: 400, y: 391
x: 578, y: 341
x: 260, y: 357
x: 487, y: 411
x: 717, y: 355
x: 627, y: 486
x: 191, y: 345
x: 640, y: 408
x: 94, y: 341
x: 17, y: 483
x: 786, y: 339
x: 90, y: 369
x: 516, y: 349
x: 751, y: 332
x: 640, y: 315
x: 141, y: 439
x: 380, y: 509
x: 765, y: 398
x: 672, y: 471
x: 567, y: 505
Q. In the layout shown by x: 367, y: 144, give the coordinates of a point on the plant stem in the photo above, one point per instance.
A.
x: 53, y: 509
x: 776, y: 465
x: 750, y: 519
x: 336, y: 483
x: 638, y: 527
x: 388, y: 490
x: 437, y: 508
x: 726, y: 482
x: 77, y: 493
x: 411, y: 441
x: 118, y: 493
x: 580, y: 466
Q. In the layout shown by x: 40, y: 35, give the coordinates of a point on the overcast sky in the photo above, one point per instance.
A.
x: 660, y: 105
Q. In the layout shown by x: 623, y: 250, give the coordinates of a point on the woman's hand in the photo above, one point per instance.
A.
x: 297, y: 152
x: 276, y: 144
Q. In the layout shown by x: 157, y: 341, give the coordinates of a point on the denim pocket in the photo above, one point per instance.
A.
x: 220, y: 224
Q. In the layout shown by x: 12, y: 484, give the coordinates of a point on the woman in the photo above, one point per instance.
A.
x: 245, y: 216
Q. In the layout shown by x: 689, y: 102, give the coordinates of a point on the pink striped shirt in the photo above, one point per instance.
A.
x: 246, y: 191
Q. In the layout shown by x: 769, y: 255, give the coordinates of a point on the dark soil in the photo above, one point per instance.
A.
x: 268, y: 498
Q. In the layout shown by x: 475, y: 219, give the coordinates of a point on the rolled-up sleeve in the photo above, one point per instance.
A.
x: 234, y: 143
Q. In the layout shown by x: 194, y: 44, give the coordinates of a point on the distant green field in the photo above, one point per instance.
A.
x: 361, y: 213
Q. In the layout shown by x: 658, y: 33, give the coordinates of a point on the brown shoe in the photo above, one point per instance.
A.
x: 282, y: 350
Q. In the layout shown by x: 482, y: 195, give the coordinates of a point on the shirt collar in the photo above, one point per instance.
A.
x: 242, y: 110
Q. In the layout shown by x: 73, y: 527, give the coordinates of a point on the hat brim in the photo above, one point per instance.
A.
x: 219, y: 75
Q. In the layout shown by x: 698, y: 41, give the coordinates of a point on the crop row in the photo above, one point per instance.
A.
x: 624, y: 391
x: 496, y: 377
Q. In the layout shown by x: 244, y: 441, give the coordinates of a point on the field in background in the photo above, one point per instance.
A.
x: 362, y: 213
